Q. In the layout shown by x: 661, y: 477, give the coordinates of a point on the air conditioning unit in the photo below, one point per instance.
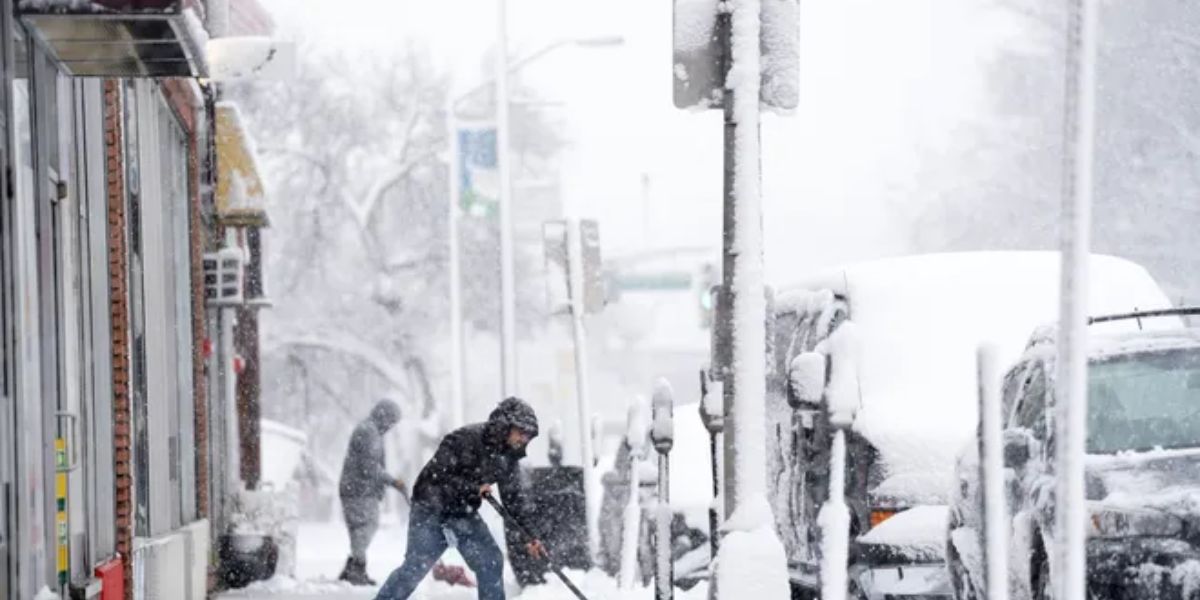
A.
x: 224, y: 275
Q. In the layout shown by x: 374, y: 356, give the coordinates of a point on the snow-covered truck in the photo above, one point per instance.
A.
x: 919, y: 320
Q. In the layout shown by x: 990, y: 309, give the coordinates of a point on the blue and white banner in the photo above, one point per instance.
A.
x: 478, y: 170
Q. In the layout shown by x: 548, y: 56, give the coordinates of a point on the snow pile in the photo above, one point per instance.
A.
x: 598, y: 586
x: 753, y: 563
x: 1186, y: 575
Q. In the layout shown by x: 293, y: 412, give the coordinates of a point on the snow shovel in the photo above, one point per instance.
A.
x: 507, y: 516
x: 450, y: 574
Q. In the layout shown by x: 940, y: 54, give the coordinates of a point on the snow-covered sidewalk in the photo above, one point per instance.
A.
x: 321, y: 553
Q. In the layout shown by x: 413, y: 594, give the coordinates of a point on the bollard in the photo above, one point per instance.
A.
x: 662, y: 433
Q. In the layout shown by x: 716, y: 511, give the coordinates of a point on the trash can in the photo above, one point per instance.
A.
x: 556, y: 512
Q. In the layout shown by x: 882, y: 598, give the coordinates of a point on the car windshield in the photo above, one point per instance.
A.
x: 1144, y: 401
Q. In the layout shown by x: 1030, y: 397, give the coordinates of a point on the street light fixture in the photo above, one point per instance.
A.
x: 507, y: 300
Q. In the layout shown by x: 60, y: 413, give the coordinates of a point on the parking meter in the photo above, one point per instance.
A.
x: 662, y: 434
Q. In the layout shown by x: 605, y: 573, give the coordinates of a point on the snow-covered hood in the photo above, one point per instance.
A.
x: 919, y: 531
x: 1165, y: 480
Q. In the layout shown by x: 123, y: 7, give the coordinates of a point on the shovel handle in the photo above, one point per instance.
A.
x: 509, y: 518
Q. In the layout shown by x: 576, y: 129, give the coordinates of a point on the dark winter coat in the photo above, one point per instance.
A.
x: 473, y: 456
x: 364, y: 474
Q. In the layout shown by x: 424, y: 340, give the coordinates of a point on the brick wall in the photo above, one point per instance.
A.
x: 119, y: 299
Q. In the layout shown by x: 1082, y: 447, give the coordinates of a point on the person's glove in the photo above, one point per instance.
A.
x: 536, y: 549
x: 399, y: 485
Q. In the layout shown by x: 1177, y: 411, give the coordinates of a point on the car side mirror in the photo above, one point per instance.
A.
x: 1018, y: 444
x: 808, y: 375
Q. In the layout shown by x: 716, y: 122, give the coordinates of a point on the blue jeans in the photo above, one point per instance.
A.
x: 427, y: 541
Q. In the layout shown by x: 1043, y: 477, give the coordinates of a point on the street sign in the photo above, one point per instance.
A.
x: 700, y: 54
x: 593, y: 276
x: 558, y: 265
x: 558, y: 280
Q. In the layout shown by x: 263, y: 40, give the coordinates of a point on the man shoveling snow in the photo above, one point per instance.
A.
x: 449, y: 491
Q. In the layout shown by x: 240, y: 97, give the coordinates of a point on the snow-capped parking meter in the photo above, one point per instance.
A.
x: 662, y: 434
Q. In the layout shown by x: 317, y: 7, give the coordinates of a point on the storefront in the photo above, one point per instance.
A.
x: 100, y: 312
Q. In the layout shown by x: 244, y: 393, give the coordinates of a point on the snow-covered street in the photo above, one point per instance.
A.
x: 322, y: 549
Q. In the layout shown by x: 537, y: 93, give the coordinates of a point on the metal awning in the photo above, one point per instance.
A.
x: 121, y: 38
x: 241, y: 195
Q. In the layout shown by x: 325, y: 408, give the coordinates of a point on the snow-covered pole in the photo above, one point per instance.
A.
x: 635, y: 436
x: 508, y: 310
x: 842, y: 400
x: 752, y: 562
x: 1071, y: 421
x: 584, y: 410
x: 662, y: 433
x: 991, y: 473
x: 228, y: 315
x: 457, y: 396
x: 834, y: 520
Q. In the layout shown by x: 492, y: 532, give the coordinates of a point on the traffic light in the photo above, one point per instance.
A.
x: 705, y: 281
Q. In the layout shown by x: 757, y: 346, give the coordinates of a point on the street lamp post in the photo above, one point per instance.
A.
x: 508, y: 295
x: 508, y: 301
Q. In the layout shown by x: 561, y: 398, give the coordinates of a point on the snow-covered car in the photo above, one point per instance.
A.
x: 918, y: 321
x: 1142, y: 469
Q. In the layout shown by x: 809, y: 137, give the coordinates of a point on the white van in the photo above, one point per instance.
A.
x: 919, y: 321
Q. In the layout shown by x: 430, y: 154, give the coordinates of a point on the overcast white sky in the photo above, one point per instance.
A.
x: 880, y: 80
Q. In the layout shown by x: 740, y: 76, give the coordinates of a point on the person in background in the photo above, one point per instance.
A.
x: 449, y: 491
x: 363, y: 481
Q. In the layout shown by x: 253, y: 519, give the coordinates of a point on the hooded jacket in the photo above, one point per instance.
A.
x: 473, y: 456
x: 364, y: 474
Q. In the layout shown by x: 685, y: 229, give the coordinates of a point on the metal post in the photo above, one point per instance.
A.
x: 991, y: 474
x: 745, y: 443
x: 508, y: 321
x: 1079, y: 120
x: 457, y: 383
x: 229, y: 400
x: 584, y: 408
x: 714, y: 421
x: 662, y: 433
x: 728, y: 255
